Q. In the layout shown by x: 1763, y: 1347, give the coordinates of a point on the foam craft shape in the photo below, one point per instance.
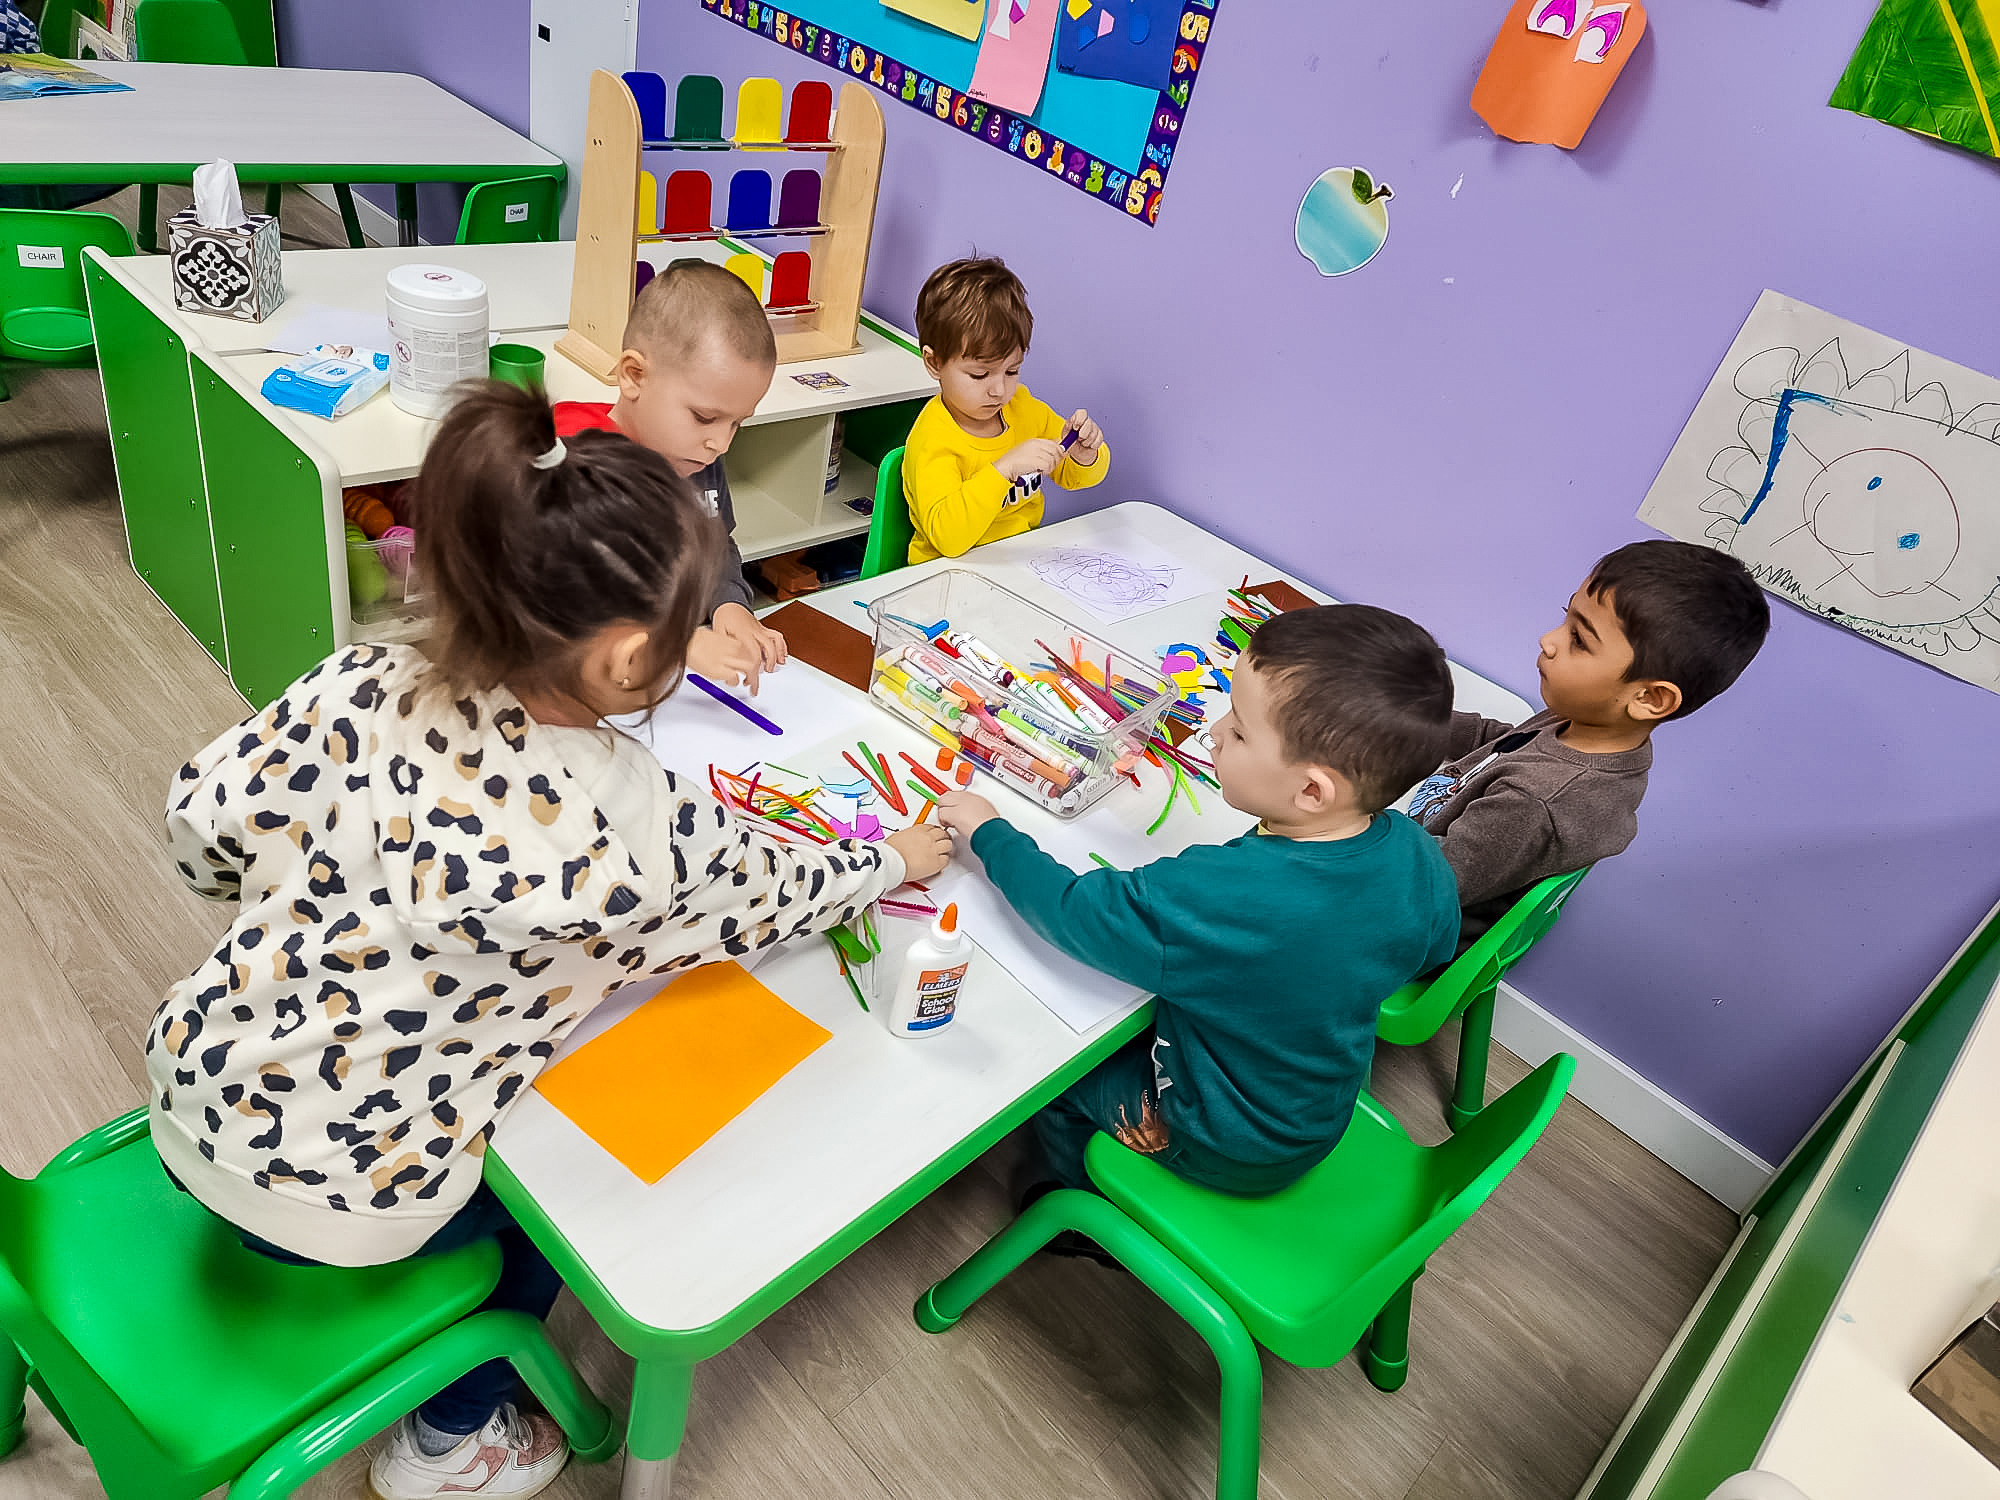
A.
x: 959, y: 17
x: 1932, y: 66
x: 658, y: 1085
x: 749, y: 200
x: 689, y: 196
x: 791, y: 279
x: 1078, y: 9
x: 649, y: 203
x: 758, y: 104
x: 649, y: 92
x: 1014, y: 54
x: 1546, y: 86
x: 811, y: 117
x: 749, y: 269
x: 798, y: 200
x: 698, y: 108
x: 642, y: 273
x: 1121, y: 41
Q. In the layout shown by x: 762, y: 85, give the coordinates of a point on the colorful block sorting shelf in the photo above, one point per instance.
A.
x: 815, y: 294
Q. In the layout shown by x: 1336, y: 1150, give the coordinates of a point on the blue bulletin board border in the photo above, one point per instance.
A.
x: 1134, y: 188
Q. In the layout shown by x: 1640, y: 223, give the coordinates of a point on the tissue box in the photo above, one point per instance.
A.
x: 231, y: 273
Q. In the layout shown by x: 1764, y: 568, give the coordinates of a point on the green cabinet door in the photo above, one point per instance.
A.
x: 149, y: 404
x: 268, y: 508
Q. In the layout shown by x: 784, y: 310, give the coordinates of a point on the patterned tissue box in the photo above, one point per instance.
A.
x: 231, y: 273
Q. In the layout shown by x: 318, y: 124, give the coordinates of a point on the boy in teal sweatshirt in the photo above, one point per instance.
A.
x: 1271, y: 954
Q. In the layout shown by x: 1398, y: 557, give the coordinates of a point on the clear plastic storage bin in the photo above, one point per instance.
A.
x: 977, y: 688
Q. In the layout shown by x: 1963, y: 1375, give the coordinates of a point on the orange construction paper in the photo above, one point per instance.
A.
x: 657, y: 1085
x: 1534, y: 88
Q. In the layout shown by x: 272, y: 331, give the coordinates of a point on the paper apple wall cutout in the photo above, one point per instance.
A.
x: 1343, y: 220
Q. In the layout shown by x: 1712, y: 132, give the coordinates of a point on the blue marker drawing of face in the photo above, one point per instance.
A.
x: 1887, y: 519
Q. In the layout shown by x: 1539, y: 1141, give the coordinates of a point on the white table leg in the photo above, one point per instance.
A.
x: 647, y: 1479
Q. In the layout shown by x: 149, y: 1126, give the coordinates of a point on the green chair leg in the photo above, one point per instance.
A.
x: 13, y: 1394
x: 274, y: 198
x: 1475, y: 1040
x: 5, y: 393
x: 1165, y: 1275
x: 406, y: 213
x: 420, y: 1374
x: 1386, y: 1357
x: 349, y: 219
x: 149, y: 218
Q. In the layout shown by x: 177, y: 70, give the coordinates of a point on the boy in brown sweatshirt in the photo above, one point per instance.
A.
x: 1657, y: 630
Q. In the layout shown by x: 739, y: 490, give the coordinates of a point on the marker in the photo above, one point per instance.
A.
x: 722, y: 696
x: 1100, y: 859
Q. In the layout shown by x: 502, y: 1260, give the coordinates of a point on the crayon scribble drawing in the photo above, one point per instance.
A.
x: 1854, y: 476
x: 1116, y: 582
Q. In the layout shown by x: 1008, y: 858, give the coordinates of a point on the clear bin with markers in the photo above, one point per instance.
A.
x: 1049, y: 710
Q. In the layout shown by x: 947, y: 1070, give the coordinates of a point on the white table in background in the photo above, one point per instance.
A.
x: 275, y: 124
x: 868, y: 1125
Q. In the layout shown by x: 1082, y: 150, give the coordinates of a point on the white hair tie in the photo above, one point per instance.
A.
x: 553, y: 457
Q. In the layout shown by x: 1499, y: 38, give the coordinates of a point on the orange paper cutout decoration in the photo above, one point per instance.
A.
x: 1552, y: 65
x: 655, y: 1087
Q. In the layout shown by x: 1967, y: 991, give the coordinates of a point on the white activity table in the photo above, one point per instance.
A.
x: 868, y: 1125
x: 276, y: 124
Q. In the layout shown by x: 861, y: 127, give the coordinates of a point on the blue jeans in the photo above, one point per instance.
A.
x: 528, y: 1283
x: 1118, y: 1097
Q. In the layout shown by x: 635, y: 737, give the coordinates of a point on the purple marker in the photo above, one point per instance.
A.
x: 1069, y: 438
x: 723, y: 695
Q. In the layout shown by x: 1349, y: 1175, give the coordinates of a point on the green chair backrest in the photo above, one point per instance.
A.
x: 1462, y: 1174
x: 58, y: 24
x: 1417, y: 1012
x: 889, y: 530
x: 509, y: 212
x: 41, y: 272
x: 188, y: 31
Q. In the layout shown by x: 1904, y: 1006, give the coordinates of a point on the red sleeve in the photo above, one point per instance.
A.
x: 573, y: 417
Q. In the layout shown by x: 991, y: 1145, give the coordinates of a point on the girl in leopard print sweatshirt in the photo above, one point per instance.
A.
x: 443, y: 859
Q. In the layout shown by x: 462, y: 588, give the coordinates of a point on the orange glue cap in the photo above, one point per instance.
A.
x: 949, y: 920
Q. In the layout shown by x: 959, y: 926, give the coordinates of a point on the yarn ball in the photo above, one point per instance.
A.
x: 397, y: 544
x: 367, y: 579
x: 365, y: 509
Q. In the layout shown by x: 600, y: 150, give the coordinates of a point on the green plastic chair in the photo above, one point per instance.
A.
x: 1311, y: 1272
x: 1419, y: 1010
x: 889, y: 528
x: 182, y: 1361
x: 43, y: 314
x: 510, y: 212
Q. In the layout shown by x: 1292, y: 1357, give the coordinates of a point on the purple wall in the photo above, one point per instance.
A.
x: 1460, y: 428
x: 478, y: 49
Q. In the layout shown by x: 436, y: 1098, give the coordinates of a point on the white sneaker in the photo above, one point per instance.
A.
x: 515, y: 1454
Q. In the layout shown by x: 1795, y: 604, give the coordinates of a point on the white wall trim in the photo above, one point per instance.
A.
x: 376, y: 221
x: 1720, y: 1167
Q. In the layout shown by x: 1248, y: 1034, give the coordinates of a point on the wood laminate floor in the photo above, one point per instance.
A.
x: 1533, y: 1330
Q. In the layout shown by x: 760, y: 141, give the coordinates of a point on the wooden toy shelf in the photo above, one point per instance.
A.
x: 813, y: 295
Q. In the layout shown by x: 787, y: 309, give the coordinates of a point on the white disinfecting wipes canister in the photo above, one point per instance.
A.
x: 437, y: 335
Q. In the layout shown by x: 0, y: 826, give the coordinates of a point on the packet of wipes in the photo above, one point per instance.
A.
x: 329, y: 380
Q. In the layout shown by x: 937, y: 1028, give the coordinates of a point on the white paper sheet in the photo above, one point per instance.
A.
x: 691, y: 731
x: 1115, y: 579
x: 1854, y: 476
x: 308, y: 324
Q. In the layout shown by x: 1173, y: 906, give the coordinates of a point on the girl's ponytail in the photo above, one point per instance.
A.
x: 527, y: 545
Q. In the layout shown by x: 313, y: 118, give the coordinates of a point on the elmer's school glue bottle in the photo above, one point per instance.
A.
x: 926, y: 996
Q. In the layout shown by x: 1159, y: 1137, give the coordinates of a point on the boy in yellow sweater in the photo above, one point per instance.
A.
x: 975, y: 460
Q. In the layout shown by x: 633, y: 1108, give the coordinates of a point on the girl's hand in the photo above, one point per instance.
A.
x: 723, y: 659
x: 1089, y: 438
x: 965, y: 812
x: 926, y: 850
x: 1035, y: 456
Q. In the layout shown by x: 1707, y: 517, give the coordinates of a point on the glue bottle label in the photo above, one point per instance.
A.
x: 937, y: 997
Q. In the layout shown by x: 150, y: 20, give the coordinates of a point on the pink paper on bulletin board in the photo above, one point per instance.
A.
x: 1014, y: 53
